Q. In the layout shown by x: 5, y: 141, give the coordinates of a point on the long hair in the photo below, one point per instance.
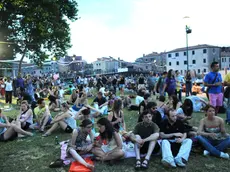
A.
x: 109, y: 131
x: 187, y: 107
x: 175, y: 100
x: 117, y: 105
x: 170, y: 75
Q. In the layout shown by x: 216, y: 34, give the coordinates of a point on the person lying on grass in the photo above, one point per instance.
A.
x: 64, y: 119
x: 9, y: 131
x: 145, y: 137
x: 109, y: 145
x: 79, y: 145
x: 175, y: 145
x: 43, y: 116
x: 212, y: 134
x: 25, y: 118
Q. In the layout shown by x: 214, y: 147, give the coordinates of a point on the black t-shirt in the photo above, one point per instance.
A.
x: 145, y: 129
x: 114, y: 82
x: 167, y: 128
x: 100, y: 101
x: 122, y: 81
x: 157, y: 117
x: 141, y: 80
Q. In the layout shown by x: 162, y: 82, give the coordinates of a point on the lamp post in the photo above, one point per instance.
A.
x: 188, y: 31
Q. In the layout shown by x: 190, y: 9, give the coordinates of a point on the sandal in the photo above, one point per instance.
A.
x: 138, y: 164
x: 145, y: 164
x: 57, y: 164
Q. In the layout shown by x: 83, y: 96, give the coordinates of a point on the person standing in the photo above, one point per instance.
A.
x: 227, y: 83
x: 9, y: 90
x: 213, y: 80
x: 170, y: 83
x: 188, y: 83
x: 179, y: 82
x: 151, y: 81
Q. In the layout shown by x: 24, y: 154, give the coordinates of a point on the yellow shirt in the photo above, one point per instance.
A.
x: 227, y: 78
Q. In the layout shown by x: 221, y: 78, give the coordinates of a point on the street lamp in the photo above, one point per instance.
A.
x: 188, y: 30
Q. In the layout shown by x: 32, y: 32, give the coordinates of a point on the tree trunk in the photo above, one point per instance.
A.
x: 20, y: 63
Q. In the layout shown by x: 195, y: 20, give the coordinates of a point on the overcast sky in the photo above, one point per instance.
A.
x: 131, y: 28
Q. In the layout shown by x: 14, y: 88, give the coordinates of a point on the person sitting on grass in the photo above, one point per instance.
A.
x: 143, y: 104
x: 145, y: 137
x: 156, y: 115
x: 54, y: 104
x: 101, y: 103
x: 25, y: 118
x: 116, y: 116
x: 43, y: 116
x: 161, y: 106
x: 175, y: 145
x: 64, y: 119
x: 73, y: 97
x: 79, y: 144
x: 184, y: 113
x: 212, y: 134
x: 109, y: 144
x: 80, y: 101
x: 9, y: 131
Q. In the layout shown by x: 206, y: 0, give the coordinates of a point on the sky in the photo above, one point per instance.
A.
x: 130, y: 28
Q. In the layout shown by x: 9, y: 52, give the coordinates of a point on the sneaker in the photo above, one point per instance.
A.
x: 179, y: 162
x: 224, y: 155
x: 168, y: 164
x: 206, y: 153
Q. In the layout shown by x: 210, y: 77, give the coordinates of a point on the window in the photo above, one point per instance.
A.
x: 185, y: 53
x: 146, y: 67
x: 177, y: 63
x: 170, y: 63
x: 193, y: 52
x: 204, y: 60
x: 204, y: 70
x: 225, y: 59
x: 204, y: 51
x: 146, y: 60
x: 169, y: 55
x: 229, y: 59
x: 198, y: 70
x: 185, y: 62
x: 176, y: 54
x: 222, y: 59
x: 193, y: 61
x: 181, y: 71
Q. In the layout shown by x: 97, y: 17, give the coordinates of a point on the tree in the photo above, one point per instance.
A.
x: 38, y: 28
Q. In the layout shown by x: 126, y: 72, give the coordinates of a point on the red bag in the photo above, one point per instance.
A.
x: 77, y: 167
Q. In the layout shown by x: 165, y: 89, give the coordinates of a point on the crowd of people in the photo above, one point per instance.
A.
x: 162, y: 127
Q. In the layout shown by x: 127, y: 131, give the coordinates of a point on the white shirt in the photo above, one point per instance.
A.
x: 8, y: 86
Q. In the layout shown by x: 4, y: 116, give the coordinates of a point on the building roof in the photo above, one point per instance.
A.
x: 193, y: 47
x: 225, y: 54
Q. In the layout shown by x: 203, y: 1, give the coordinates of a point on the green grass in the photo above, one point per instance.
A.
x: 35, y: 154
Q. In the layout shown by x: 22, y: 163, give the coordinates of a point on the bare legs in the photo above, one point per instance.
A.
x: 15, y: 129
x: 62, y: 124
x: 78, y: 158
x: 112, y: 155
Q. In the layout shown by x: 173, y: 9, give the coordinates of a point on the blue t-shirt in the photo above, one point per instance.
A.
x: 209, y: 79
x: 171, y: 85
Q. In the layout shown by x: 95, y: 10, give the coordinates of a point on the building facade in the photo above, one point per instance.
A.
x: 225, y: 60
x: 155, y: 62
x: 105, y: 65
x: 200, y: 58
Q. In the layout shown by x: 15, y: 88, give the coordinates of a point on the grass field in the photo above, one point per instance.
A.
x: 34, y: 154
